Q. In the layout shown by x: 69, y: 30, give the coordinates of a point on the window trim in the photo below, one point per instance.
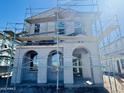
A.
x: 36, y: 28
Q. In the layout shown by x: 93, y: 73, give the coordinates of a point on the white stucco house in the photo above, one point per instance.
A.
x: 36, y: 59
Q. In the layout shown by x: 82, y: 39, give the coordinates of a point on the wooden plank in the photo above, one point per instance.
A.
x: 43, y: 19
x: 47, y: 37
x: 9, y: 32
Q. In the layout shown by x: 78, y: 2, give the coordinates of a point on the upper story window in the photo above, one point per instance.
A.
x: 78, y: 28
x: 61, y: 28
x: 37, y: 28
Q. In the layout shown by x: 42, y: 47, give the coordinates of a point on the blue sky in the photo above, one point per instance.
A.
x: 113, y: 7
x: 14, y: 10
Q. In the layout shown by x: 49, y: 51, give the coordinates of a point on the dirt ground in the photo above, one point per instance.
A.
x: 113, y: 84
x: 38, y: 89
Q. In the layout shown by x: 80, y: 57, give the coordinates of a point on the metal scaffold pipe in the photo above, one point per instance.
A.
x: 57, y: 85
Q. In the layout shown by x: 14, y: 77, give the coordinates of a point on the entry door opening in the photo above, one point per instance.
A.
x: 52, y: 70
x: 29, y: 67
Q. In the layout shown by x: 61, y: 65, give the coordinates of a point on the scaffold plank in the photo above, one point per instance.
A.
x: 46, y: 37
x: 42, y: 20
x: 9, y: 32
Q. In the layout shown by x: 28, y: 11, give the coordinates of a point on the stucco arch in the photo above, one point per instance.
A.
x: 82, y: 64
x: 51, y: 70
x: 29, y: 67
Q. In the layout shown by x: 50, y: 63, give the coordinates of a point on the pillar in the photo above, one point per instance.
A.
x: 68, y: 69
x: 42, y: 68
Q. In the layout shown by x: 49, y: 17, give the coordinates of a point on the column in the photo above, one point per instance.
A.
x: 16, y: 77
x: 42, y: 68
x: 68, y: 69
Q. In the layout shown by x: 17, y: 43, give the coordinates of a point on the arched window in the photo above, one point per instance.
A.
x: 30, y: 60
x: 53, y: 58
x: 29, y: 67
x: 81, y: 65
x: 53, y: 64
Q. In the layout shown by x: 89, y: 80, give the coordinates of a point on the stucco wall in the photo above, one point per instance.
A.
x: 67, y: 50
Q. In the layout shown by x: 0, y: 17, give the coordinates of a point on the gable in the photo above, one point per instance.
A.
x: 52, y: 15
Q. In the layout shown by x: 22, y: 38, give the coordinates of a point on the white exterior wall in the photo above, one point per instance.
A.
x: 68, y: 49
x: 68, y: 71
x: 42, y: 56
x: 43, y: 27
x: 50, y: 26
x: 69, y: 27
x: 42, y: 66
x: 86, y: 21
x: 16, y: 78
x: 97, y: 72
x: 31, y: 29
x: 86, y: 66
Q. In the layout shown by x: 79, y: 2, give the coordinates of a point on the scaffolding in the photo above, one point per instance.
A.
x: 72, y: 4
x: 8, y: 44
x: 110, y: 55
x: 23, y: 37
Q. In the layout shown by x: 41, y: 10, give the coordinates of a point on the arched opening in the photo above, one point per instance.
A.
x: 29, y: 67
x: 81, y: 65
x: 52, y: 67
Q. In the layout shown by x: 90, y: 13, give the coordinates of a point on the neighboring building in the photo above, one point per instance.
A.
x: 79, y: 62
x: 7, y: 53
x: 114, y: 57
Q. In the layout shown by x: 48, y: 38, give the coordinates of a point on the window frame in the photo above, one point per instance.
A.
x: 36, y: 28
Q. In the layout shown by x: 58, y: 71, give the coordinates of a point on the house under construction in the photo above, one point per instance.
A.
x: 77, y: 49
x: 57, y: 49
